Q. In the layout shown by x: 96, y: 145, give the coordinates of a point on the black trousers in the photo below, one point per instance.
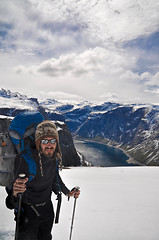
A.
x: 36, y: 223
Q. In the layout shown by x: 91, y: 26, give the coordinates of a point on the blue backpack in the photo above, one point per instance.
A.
x: 22, y: 127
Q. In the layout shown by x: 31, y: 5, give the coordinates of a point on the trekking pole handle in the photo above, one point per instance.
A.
x: 22, y: 176
x: 76, y: 189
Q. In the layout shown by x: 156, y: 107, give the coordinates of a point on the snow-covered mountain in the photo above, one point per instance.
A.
x: 15, y: 100
x: 132, y: 127
x: 13, y: 103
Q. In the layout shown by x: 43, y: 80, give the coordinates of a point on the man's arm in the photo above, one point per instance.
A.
x: 74, y: 192
x: 62, y: 186
x: 18, y: 186
x: 11, y: 201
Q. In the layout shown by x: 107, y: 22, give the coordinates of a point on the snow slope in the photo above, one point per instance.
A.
x: 115, y: 203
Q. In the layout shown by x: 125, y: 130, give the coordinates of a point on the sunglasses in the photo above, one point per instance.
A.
x: 46, y: 141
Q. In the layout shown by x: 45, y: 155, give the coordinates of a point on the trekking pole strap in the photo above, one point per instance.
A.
x: 59, y: 195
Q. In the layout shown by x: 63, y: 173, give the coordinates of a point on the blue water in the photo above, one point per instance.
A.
x: 101, y: 155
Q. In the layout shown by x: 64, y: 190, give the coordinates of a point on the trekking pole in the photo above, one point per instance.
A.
x: 21, y: 176
x: 76, y: 188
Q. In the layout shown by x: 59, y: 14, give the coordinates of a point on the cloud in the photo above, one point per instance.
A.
x: 109, y: 96
x: 37, y: 24
x: 50, y: 29
x: 87, y: 63
x: 39, y: 28
x: 76, y: 65
x: 81, y: 46
x: 107, y: 72
x: 151, y: 80
x: 57, y: 95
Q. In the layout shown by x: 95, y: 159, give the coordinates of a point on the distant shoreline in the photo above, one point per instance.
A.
x: 130, y: 160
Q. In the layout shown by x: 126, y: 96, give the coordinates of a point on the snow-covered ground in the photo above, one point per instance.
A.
x: 118, y: 203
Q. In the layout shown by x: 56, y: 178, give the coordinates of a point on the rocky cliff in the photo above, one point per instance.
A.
x: 133, y: 128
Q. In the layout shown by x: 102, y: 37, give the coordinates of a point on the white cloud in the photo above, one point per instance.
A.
x: 153, y: 79
x: 112, y: 62
x: 60, y: 96
x: 36, y: 24
x: 77, y: 46
x: 20, y: 69
x: 109, y: 96
x: 104, y: 72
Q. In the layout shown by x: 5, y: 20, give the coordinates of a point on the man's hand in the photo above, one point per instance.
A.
x: 19, y: 186
x: 75, y: 192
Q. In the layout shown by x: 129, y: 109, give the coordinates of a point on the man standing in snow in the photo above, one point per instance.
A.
x: 37, y: 213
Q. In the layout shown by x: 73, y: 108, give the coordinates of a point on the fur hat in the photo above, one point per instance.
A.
x: 47, y: 129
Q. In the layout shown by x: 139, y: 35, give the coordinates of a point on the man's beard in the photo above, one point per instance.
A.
x: 48, y: 154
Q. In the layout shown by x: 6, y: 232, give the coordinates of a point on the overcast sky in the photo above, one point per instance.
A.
x: 96, y: 49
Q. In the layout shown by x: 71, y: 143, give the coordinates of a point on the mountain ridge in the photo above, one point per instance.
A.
x: 132, y: 127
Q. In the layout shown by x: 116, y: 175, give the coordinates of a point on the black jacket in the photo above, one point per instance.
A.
x: 40, y: 188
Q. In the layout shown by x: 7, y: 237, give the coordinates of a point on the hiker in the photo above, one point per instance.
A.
x: 37, y: 215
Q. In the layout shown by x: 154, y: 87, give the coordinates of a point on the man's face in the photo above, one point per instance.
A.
x: 49, y: 148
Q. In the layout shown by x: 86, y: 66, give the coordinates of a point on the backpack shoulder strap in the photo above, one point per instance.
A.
x: 27, y: 155
x: 57, y: 173
x: 59, y: 195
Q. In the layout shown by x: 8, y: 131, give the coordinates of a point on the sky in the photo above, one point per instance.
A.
x: 102, y: 50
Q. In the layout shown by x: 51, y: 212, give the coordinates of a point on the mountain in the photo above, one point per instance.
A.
x: 132, y: 127
x: 13, y: 103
